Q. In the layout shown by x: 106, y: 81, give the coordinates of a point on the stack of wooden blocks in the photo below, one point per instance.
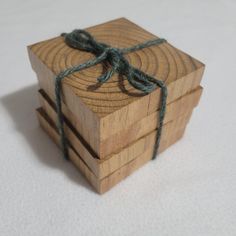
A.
x: 111, y: 128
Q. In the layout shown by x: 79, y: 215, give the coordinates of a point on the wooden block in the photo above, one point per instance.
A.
x: 104, y: 184
x: 103, y: 111
x: 104, y: 167
x: 131, y: 133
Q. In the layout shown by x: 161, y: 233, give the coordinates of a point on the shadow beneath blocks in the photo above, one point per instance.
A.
x: 21, y: 106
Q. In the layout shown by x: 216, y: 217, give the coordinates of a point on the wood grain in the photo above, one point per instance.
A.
x: 110, y: 108
x: 104, y: 184
x: 132, y: 133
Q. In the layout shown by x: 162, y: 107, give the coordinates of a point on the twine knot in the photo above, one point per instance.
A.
x: 82, y: 40
x: 114, y: 57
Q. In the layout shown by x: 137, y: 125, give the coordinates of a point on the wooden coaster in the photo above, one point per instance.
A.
x: 103, y: 111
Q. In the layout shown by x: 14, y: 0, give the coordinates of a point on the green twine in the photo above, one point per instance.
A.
x: 82, y: 40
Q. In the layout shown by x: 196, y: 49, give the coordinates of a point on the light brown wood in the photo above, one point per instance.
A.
x: 104, y: 167
x: 131, y: 133
x: 108, y: 109
x: 104, y: 184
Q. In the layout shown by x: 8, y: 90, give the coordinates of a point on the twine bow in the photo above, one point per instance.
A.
x: 82, y: 40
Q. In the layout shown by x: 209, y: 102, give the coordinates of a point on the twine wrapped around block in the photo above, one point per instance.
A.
x: 82, y: 40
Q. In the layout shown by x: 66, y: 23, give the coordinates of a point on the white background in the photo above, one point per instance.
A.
x: 189, y: 190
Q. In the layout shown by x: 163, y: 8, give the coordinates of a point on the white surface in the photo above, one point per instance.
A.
x: 189, y: 190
